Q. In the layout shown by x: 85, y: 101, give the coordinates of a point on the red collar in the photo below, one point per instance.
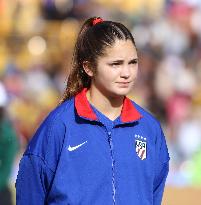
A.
x: 128, y: 114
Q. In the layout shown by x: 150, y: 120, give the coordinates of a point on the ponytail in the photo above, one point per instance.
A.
x: 78, y: 79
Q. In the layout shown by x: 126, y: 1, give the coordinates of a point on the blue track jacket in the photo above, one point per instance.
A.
x: 74, y: 159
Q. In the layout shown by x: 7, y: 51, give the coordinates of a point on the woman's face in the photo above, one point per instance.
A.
x: 117, y: 69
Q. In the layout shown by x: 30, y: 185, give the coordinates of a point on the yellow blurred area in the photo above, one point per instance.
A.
x: 152, y: 7
x: 182, y: 196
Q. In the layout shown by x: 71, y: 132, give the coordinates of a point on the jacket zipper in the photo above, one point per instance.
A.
x: 113, y: 166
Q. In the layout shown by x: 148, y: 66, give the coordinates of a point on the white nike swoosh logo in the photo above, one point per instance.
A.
x: 75, y: 147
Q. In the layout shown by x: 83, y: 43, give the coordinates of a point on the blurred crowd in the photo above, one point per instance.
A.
x: 36, y: 45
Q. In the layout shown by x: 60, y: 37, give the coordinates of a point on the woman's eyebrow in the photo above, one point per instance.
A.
x: 133, y: 60
x: 118, y: 61
x: 121, y: 61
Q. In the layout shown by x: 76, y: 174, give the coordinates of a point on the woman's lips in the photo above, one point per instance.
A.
x: 123, y: 84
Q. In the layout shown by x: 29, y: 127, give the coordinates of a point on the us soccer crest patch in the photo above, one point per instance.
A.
x: 141, y: 148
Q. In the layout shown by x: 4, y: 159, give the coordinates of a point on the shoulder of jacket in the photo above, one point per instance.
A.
x: 51, y: 132
x: 61, y: 109
x: 148, y: 118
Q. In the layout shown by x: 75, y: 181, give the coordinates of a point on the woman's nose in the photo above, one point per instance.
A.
x: 125, y: 72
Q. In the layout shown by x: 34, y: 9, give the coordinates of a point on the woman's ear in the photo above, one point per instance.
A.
x: 87, y: 68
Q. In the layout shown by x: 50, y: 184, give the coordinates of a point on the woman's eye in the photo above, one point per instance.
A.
x: 134, y: 62
x: 115, y: 64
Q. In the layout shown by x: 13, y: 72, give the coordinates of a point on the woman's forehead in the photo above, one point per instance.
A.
x: 121, y: 49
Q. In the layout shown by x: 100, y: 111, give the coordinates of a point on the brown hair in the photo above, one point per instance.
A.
x: 94, y: 36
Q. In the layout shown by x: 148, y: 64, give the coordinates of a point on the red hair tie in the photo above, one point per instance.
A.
x: 97, y: 20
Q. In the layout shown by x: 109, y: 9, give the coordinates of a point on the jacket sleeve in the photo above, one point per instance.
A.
x: 33, y: 181
x: 161, y: 169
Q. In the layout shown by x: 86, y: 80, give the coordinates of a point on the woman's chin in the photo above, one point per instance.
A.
x: 121, y: 92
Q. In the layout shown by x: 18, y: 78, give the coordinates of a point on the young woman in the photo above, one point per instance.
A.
x: 97, y: 147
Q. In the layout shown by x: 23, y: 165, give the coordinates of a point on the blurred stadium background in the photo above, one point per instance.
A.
x: 36, y: 42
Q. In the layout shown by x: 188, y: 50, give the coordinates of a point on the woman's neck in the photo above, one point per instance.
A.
x: 109, y: 106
